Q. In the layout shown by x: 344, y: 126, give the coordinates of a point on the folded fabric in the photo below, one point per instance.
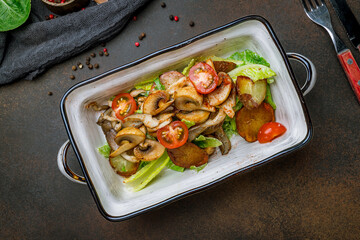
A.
x: 39, y: 44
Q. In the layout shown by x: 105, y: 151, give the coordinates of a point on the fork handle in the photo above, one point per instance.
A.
x: 352, y: 71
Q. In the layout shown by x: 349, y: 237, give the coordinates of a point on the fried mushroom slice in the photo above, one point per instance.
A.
x: 129, y: 156
x: 197, y: 116
x: 188, y: 155
x: 182, y: 82
x: 230, y: 102
x: 223, y: 66
x: 149, y: 150
x: 156, y: 102
x: 226, y: 144
x: 188, y: 99
x: 169, y: 78
x: 137, y: 92
x: 127, y: 138
x: 222, y: 92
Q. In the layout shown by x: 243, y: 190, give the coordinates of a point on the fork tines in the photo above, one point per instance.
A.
x: 312, y: 4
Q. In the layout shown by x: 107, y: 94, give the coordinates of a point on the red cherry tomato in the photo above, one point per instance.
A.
x: 269, y: 131
x: 173, y: 135
x: 123, y: 105
x: 203, y: 77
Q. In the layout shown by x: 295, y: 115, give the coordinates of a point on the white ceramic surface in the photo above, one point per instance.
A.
x: 117, y: 199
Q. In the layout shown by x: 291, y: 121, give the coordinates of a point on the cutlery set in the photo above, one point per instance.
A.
x: 317, y: 11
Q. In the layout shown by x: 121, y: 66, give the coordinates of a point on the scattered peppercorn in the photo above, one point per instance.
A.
x: 142, y: 35
x: 171, y: 17
x: 83, y: 9
x: 106, y: 53
x: 72, y: 77
x: 78, y: 63
x: 105, y: 49
x: 134, y: 18
x: 51, y: 16
x: 103, y: 44
x: 191, y: 23
x: 47, y: 17
x: 163, y: 5
x: 80, y: 66
x: 74, y: 68
x: 90, y: 66
x: 101, y: 53
x: 176, y: 18
x: 93, y: 55
x: 137, y: 44
x: 88, y: 59
x: 96, y: 65
x: 87, y: 62
x: 50, y: 93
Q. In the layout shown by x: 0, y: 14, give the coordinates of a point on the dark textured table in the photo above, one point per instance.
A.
x: 313, y: 193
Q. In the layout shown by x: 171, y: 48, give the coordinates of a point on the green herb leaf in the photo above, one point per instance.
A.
x: 110, y: 99
x: 238, y: 104
x: 268, y: 97
x: 105, y: 150
x: 149, y: 136
x: 204, y: 142
x: 229, y: 127
x: 188, y: 123
x: 146, y: 85
x: 139, y: 111
x: 198, y: 169
x: 249, y: 57
x: 142, y: 177
x: 158, y: 84
x: 13, y: 13
x: 174, y: 167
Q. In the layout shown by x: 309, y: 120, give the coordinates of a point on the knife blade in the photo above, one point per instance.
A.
x: 348, y: 20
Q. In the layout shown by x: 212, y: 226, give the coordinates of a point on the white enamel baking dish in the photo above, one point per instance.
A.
x: 114, y: 199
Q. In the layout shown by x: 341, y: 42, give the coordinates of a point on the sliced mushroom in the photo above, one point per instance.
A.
x: 109, y: 132
x: 188, y: 99
x: 182, y: 82
x: 197, y: 116
x: 149, y: 150
x: 157, y: 102
x: 222, y: 92
x: 229, y: 104
x: 137, y: 92
x: 147, y: 119
x: 226, y: 144
x: 96, y: 107
x: 169, y: 78
x: 223, y: 66
x: 161, y: 125
x: 132, y: 123
x: 210, y: 124
x: 127, y: 139
x: 129, y: 155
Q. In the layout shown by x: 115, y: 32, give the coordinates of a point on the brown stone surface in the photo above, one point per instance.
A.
x: 313, y: 193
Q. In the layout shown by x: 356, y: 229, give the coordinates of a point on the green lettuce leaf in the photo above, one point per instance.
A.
x: 249, y: 57
x: 146, y: 85
x: 158, y: 84
x: 198, y: 169
x: 186, y: 70
x: 204, y: 142
x: 229, y: 127
x: 268, y: 97
x: 238, y: 104
x: 105, y: 150
x: 237, y: 62
x: 142, y: 177
x: 174, y: 167
x: 188, y: 124
x: 13, y: 13
x: 143, y: 164
x: 253, y: 71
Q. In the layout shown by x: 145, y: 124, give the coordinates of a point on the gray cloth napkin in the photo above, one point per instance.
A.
x: 39, y: 44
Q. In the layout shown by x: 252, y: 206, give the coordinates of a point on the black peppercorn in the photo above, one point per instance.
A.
x: 93, y: 55
x: 88, y: 59
x: 191, y: 23
x: 103, y: 44
x: 106, y: 53
x: 50, y: 93
x: 80, y: 66
x: 96, y: 65
x: 74, y: 68
x: 72, y: 77
x: 171, y: 17
x: 101, y: 53
x: 87, y: 63
x: 163, y: 5
x: 90, y: 66
x: 142, y: 35
x: 47, y: 17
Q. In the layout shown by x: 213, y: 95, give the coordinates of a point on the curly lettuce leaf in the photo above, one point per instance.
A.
x: 105, y: 150
x: 204, y: 142
x: 186, y: 70
x: 198, y: 169
x: 188, y: 124
x: 249, y: 57
x: 229, y: 127
x: 174, y: 167
x: 253, y: 71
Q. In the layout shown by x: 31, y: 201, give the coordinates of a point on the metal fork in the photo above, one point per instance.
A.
x: 317, y: 11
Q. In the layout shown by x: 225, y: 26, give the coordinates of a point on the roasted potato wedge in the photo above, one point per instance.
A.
x: 250, y: 93
x: 188, y: 155
x: 223, y: 66
x: 248, y: 122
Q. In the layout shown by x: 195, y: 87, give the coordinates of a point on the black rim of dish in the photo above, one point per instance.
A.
x: 210, y: 184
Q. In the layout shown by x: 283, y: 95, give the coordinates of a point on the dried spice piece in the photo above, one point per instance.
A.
x: 163, y: 5
x: 101, y: 53
x: 171, y: 17
x: 142, y: 35
x: 80, y: 66
x: 106, y: 53
x: 96, y: 65
x: 51, y: 16
x: 47, y: 17
x: 105, y: 49
x: 90, y: 66
x: 176, y: 18
x: 191, y: 23
x: 87, y: 63
x: 72, y: 77
x: 74, y: 68
x: 137, y: 44
x: 88, y: 59
x: 50, y: 93
x: 93, y: 55
x: 134, y: 18
x: 78, y: 63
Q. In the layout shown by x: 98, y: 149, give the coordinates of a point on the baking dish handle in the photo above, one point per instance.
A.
x: 310, y: 70
x: 63, y: 166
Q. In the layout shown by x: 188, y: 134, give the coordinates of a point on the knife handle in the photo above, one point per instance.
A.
x: 352, y: 71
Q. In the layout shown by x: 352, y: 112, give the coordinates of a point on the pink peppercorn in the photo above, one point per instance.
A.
x: 51, y: 16
x: 176, y: 18
x: 105, y: 50
x: 62, y: 1
x: 137, y: 44
x: 134, y: 18
x: 83, y: 9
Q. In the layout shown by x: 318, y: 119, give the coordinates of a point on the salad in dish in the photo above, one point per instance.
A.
x: 178, y: 119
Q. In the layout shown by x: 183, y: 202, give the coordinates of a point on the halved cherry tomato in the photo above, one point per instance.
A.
x: 173, y: 135
x: 203, y: 77
x: 123, y: 105
x: 269, y: 131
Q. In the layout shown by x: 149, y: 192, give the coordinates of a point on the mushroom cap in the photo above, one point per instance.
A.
x: 222, y: 92
x: 149, y: 150
x: 169, y: 78
x: 127, y: 138
x: 188, y: 99
x: 197, y: 116
x: 156, y: 102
